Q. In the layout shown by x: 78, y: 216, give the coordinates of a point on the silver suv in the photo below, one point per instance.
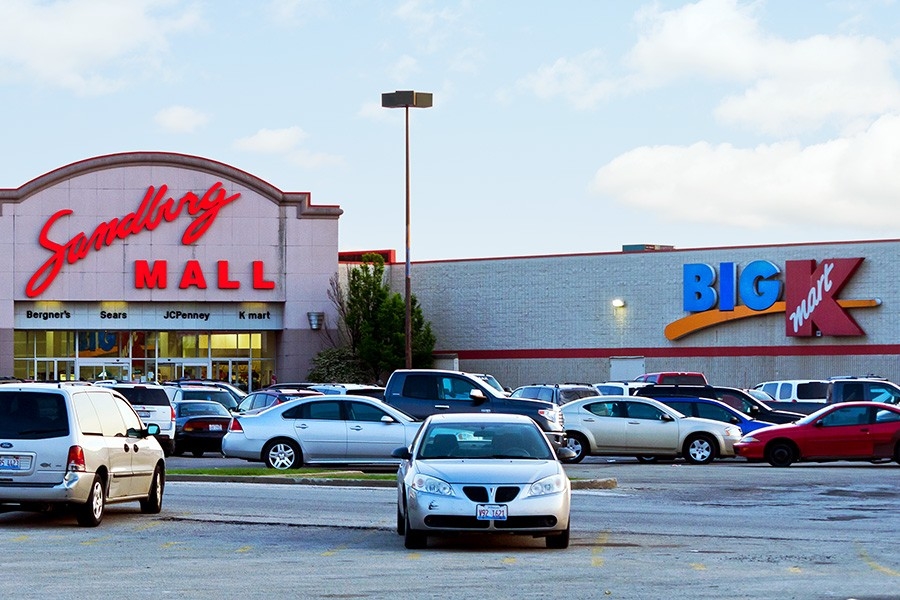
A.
x: 76, y: 444
x: 559, y: 393
x: 151, y: 402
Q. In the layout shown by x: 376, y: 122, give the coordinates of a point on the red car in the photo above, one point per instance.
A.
x: 843, y: 431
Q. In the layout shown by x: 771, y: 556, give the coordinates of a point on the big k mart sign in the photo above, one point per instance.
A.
x: 807, y: 292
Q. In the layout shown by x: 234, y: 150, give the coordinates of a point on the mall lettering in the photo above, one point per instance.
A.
x: 192, y: 276
x: 810, y: 292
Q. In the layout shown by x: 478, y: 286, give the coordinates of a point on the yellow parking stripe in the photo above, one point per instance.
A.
x: 875, y: 566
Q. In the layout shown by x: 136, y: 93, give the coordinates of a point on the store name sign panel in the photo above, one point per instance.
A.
x: 147, y: 316
x: 806, y: 292
x: 156, y: 208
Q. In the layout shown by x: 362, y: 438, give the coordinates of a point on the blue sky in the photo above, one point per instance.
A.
x: 564, y: 127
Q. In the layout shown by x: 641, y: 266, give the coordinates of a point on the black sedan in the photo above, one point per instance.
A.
x: 200, y: 426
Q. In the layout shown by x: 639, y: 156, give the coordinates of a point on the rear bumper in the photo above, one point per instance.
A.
x: 75, y: 488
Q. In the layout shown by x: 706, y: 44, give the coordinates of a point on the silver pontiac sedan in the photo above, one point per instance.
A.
x: 320, y: 429
x: 482, y: 472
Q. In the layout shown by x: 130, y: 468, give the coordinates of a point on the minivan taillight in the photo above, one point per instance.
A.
x: 75, y: 462
x: 235, y: 425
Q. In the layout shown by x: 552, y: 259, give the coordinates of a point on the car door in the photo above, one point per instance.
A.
x: 648, y: 429
x: 884, y: 428
x: 607, y: 423
x: 321, y: 429
x: 369, y: 437
x: 117, y: 444
x: 842, y: 432
x: 143, y: 457
x: 454, y: 395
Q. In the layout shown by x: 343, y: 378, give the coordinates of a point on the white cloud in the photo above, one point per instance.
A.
x: 272, y: 141
x: 776, y: 86
x: 181, y: 119
x: 844, y: 182
x: 90, y: 47
x: 285, y: 142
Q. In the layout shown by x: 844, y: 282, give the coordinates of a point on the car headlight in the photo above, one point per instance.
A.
x: 548, y: 485
x: 432, y: 485
x: 748, y: 438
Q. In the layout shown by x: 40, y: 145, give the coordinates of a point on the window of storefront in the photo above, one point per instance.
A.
x: 246, y: 359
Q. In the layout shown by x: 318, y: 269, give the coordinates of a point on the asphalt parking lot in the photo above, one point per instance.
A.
x: 729, y: 530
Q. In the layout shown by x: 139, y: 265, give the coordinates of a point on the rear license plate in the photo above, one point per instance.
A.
x: 143, y: 414
x: 215, y: 427
x: 491, y: 512
x: 10, y: 463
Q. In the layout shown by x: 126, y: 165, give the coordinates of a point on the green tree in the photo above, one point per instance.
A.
x: 372, y: 328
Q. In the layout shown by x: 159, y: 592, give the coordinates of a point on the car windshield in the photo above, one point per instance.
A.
x: 220, y: 396
x: 202, y: 409
x: 484, y: 440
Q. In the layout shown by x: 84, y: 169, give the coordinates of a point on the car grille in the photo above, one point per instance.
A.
x: 477, y: 493
x: 456, y: 522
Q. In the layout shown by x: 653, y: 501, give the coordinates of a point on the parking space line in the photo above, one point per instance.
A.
x: 243, y: 549
x: 874, y: 565
x: 597, y: 550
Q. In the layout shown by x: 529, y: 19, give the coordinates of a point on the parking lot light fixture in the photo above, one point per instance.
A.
x: 406, y: 100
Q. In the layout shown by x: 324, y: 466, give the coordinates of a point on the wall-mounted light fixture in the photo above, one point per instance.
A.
x: 316, y: 320
x: 618, y: 303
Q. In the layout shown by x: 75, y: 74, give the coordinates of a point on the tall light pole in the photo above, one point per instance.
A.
x: 405, y: 100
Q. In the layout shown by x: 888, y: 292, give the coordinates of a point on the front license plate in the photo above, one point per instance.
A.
x: 9, y: 463
x: 215, y: 427
x: 491, y: 512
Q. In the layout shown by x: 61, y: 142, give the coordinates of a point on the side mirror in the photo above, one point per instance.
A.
x: 152, y: 429
x: 387, y: 419
x: 565, y: 453
x: 667, y: 417
x: 402, y: 453
x: 477, y: 397
x: 754, y: 410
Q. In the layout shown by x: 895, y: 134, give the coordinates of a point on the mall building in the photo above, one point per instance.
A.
x: 154, y: 266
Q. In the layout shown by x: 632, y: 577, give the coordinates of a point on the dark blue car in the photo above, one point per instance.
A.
x: 707, y: 408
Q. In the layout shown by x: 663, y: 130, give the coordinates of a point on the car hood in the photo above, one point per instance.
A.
x: 488, y: 470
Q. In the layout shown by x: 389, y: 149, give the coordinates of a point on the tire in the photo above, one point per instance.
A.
x: 579, y: 444
x: 282, y: 455
x: 897, y: 453
x: 780, y: 454
x: 699, y: 449
x: 401, y: 523
x: 413, y: 538
x: 152, y: 504
x: 197, y: 453
x: 647, y: 459
x: 91, y: 512
x: 559, y: 541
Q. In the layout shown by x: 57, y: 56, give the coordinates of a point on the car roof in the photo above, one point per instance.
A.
x: 480, y: 418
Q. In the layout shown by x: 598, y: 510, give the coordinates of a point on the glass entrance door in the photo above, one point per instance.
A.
x: 171, y: 369
x: 94, y: 369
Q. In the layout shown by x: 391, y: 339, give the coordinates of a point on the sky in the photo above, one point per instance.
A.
x: 563, y: 127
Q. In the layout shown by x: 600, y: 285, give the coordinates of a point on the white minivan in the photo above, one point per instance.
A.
x: 76, y: 444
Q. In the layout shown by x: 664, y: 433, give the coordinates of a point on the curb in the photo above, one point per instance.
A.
x: 577, y: 484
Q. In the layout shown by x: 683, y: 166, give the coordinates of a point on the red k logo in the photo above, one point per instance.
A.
x: 811, y: 297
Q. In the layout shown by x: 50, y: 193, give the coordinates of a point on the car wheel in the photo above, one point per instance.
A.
x: 91, y: 512
x: 413, y: 538
x: 647, y: 459
x: 780, y: 454
x: 152, y: 504
x: 401, y: 522
x: 283, y: 454
x: 559, y: 541
x: 699, y: 450
x: 197, y: 453
x: 897, y: 453
x: 578, y: 444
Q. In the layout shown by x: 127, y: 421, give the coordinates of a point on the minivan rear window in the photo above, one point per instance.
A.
x: 33, y: 415
x: 144, y: 396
